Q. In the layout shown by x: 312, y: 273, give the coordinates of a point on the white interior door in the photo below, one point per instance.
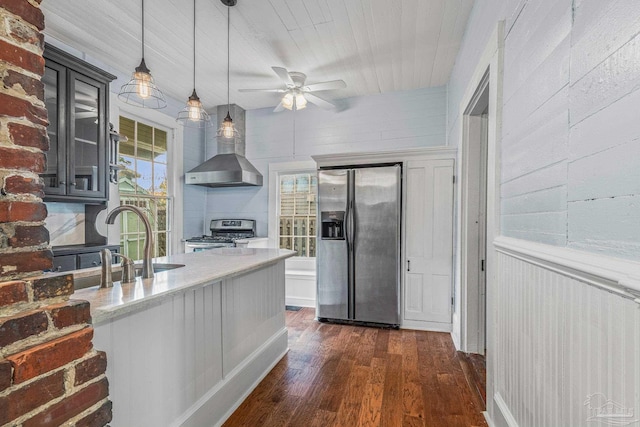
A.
x: 429, y: 241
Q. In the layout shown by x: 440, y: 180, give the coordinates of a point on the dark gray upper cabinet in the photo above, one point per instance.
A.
x: 77, y: 101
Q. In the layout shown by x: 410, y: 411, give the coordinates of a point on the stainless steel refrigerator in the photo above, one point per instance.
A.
x: 358, y: 259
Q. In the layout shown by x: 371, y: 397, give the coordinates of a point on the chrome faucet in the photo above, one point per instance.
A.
x: 147, y: 266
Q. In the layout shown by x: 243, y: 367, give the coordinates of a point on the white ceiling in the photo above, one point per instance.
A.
x: 375, y: 46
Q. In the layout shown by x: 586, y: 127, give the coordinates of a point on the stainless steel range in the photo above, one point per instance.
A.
x: 224, y: 233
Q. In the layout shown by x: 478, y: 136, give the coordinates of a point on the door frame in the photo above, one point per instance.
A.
x: 490, y: 62
x: 475, y: 140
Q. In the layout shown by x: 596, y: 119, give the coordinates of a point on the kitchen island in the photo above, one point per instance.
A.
x: 187, y: 346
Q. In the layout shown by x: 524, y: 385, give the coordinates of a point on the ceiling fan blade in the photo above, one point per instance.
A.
x: 262, y: 90
x: 278, y: 108
x: 284, y: 75
x: 319, y: 101
x: 333, y: 84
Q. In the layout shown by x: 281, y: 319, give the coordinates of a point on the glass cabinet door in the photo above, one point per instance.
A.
x: 87, y: 121
x: 54, y: 176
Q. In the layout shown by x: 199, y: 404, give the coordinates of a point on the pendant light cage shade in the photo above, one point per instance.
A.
x: 227, y: 129
x: 193, y: 115
x: 141, y: 90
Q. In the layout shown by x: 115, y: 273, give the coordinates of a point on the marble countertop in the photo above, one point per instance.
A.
x: 251, y: 239
x: 200, y: 268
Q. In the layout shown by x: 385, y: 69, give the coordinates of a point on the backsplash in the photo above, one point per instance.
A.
x: 65, y: 222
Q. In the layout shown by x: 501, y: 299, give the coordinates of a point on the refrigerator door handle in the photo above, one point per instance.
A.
x: 347, y: 225
x: 408, y: 265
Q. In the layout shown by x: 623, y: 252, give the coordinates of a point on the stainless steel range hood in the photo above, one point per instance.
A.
x: 229, y: 168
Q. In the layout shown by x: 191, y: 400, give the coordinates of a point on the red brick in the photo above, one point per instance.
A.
x: 52, y: 287
x: 29, y: 236
x: 50, y: 355
x: 5, y: 374
x: 12, y: 106
x: 17, y: 184
x: 20, y: 159
x: 31, y: 86
x: 71, y: 406
x: 12, y: 292
x: 33, y: 15
x: 101, y: 417
x: 22, y: 326
x: 24, y: 33
x: 15, y: 263
x: 91, y: 368
x: 30, y: 397
x: 22, y: 211
x: 22, y: 58
x: 29, y: 136
x: 73, y: 312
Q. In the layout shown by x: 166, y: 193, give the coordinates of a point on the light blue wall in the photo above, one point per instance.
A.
x: 194, y: 201
x: 570, y: 159
x: 373, y: 123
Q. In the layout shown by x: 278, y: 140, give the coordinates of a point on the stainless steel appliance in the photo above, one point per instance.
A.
x: 224, y: 232
x: 358, y: 271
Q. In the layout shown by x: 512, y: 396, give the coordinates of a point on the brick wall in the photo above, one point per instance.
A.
x: 49, y: 372
x: 24, y: 239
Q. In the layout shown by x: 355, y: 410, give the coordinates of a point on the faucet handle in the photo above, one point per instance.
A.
x: 128, y: 272
x: 106, y: 281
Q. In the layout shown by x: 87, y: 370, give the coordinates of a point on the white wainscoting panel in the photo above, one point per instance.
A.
x: 565, y: 347
x: 162, y: 359
x: 191, y: 359
x: 252, y: 309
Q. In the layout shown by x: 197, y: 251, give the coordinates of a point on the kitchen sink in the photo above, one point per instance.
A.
x: 159, y: 267
x: 81, y: 281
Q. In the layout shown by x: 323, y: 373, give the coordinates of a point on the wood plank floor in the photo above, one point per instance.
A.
x: 336, y: 375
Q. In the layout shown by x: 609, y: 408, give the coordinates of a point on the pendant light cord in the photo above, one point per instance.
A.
x: 194, y: 45
x: 142, y: 29
x: 228, y: 55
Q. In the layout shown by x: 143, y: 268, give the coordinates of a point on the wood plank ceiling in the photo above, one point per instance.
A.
x: 375, y: 46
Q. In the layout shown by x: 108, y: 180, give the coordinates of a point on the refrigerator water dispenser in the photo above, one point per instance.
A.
x: 332, y: 225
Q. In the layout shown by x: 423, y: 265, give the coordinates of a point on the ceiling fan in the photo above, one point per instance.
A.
x: 296, y: 93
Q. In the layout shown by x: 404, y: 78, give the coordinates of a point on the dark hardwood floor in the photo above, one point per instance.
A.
x: 337, y: 375
x: 474, y: 368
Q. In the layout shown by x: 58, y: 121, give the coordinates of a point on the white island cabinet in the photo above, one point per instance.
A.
x: 186, y: 347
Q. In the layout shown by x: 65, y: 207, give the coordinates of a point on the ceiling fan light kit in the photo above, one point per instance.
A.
x: 227, y: 129
x: 141, y: 90
x: 294, y: 100
x: 194, y: 115
x: 297, y: 94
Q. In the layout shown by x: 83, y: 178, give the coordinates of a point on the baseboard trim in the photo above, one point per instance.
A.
x: 221, y: 401
x: 300, y: 301
x: 488, y: 419
x: 426, y: 326
x: 501, y: 406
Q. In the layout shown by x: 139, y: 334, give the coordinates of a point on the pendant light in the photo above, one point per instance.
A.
x: 141, y: 89
x: 193, y: 115
x: 227, y: 130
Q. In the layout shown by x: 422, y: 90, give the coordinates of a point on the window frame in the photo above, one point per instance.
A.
x: 276, y: 170
x: 175, y: 167
x: 148, y: 199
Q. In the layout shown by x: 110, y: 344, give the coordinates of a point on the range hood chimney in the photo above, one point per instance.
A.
x: 228, y: 168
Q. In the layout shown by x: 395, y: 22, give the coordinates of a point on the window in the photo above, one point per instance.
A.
x: 142, y: 182
x: 297, y: 213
